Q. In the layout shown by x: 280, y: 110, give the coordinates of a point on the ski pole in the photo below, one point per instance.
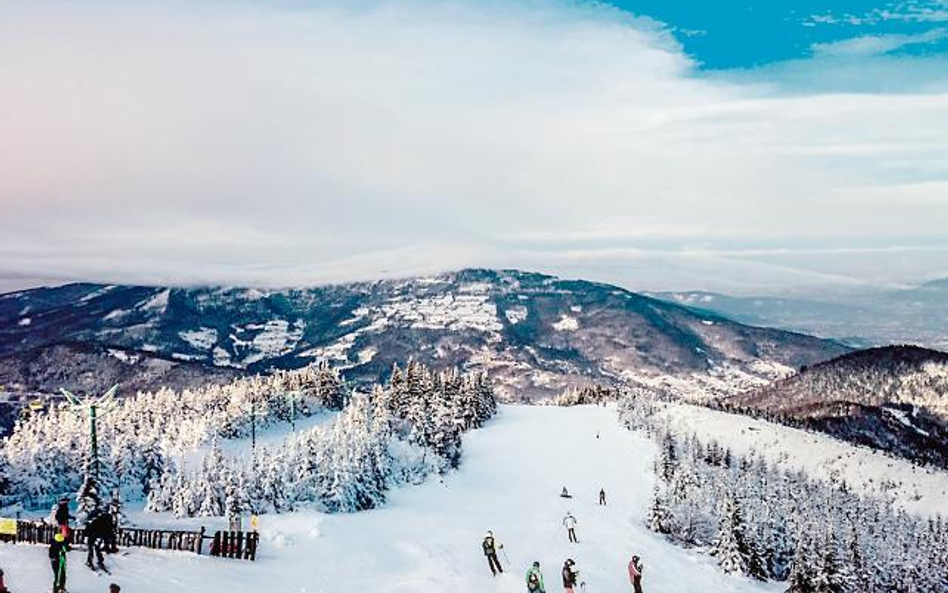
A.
x: 506, y: 559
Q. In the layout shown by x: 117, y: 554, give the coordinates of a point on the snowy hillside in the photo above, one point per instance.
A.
x: 922, y: 490
x: 427, y: 538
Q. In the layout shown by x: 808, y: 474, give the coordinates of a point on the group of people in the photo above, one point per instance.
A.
x: 100, y: 532
x: 569, y: 572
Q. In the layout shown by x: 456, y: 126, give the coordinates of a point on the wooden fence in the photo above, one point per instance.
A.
x: 226, y: 544
x: 235, y: 544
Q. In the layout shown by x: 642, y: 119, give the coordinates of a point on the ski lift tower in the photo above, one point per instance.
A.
x: 94, y: 408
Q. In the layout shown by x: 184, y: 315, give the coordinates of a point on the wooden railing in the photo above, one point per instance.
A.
x: 235, y: 544
x: 226, y: 544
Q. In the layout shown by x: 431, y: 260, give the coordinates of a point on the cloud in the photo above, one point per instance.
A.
x: 293, y: 143
x: 873, y: 45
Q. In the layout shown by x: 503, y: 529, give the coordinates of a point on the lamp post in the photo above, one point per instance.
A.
x: 95, y: 408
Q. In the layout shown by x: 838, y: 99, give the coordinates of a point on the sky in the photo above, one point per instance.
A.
x: 746, y: 147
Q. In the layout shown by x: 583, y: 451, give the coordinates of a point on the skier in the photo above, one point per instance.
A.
x: 97, y: 533
x: 569, y: 575
x: 635, y: 574
x: 490, y: 546
x: 3, y: 586
x: 63, y: 516
x: 565, y: 493
x: 569, y: 521
x: 535, y: 579
x: 57, y: 561
x: 602, y: 496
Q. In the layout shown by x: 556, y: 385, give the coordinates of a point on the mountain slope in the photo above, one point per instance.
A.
x: 893, y: 398
x: 536, y: 334
x: 426, y: 539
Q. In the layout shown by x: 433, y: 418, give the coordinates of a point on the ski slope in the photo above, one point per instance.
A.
x: 427, y: 538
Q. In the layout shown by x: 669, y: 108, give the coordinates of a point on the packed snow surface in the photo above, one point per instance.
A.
x: 427, y: 538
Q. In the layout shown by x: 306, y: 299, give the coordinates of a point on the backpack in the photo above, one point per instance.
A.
x: 533, y: 583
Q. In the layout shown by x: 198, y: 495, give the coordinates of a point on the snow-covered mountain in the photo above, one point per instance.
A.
x: 893, y: 398
x: 536, y: 334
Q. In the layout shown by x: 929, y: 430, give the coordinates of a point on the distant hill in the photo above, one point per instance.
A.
x: 915, y: 315
x: 536, y: 334
x: 893, y: 398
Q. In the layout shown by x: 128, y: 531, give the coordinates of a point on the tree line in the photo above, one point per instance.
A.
x: 768, y: 523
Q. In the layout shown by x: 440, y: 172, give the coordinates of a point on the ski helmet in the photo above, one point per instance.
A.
x: 59, y: 537
x: 570, y: 562
x: 536, y: 564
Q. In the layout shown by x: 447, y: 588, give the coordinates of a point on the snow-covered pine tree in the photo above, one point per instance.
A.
x: 730, y: 546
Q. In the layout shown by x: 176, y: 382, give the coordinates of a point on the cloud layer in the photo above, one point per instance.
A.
x: 287, y: 144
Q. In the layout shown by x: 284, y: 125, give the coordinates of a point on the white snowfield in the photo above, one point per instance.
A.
x: 427, y: 538
x: 917, y: 489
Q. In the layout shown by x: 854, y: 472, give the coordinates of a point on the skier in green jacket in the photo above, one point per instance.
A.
x: 57, y: 561
x: 535, y: 579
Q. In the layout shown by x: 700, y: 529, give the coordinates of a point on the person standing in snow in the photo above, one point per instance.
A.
x: 57, y: 561
x: 602, y: 496
x: 62, y: 516
x: 535, y: 579
x: 3, y: 586
x: 490, y: 546
x: 97, y: 533
x: 570, y: 575
x: 635, y: 574
x: 569, y: 521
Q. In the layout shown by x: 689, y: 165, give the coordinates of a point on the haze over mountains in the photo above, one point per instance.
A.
x: 868, y: 317
x: 536, y: 334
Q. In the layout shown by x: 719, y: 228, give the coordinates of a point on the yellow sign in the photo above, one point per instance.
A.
x: 7, y: 526
x: 254, y: 522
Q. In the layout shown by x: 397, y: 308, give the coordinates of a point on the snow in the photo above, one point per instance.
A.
x: 115, y: 314
x: 427, y: 538
x: 516, y: 314
x: 25, y: 322
x: 903, y: 417
x: 918, y: 490
x: 201, y: 339
x: 275, y: 338
x: 124, y: 356
x: 566, y: 323
x: 157, y: 303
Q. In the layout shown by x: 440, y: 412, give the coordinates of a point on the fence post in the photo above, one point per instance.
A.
x: 200, y: 541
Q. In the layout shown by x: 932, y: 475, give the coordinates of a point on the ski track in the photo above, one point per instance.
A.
x: 427, y: 538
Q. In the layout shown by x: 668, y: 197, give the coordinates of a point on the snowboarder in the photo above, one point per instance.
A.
x: 535, y: 579
x: 98, y: 530
x: 569, y: 575
x: 565, y: 493
x: 57, y: 561
x: 602, y: 496
x: 490, y: 546
x: 62, y: 516
x: 569, y: 521
x: 635, y: 574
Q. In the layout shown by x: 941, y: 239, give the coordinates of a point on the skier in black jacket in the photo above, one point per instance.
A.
x: 569, y: 575
x: 490, y: 546
x: 98, y: 530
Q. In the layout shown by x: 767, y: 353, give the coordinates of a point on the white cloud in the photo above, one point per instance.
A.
x: 286, y: 144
